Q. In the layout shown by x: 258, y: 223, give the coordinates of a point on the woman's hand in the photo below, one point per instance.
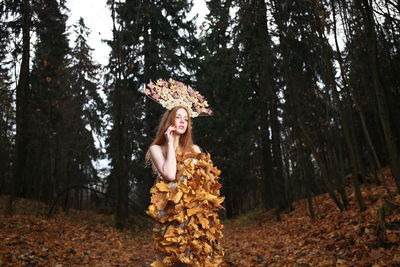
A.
x: 169, y: 134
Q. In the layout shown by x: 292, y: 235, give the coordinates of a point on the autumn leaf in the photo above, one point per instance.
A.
x: 157, y: 263
x: 162, y: 186
x: 159, y: 200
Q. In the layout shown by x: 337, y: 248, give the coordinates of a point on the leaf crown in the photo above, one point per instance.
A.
x: 174, y: 93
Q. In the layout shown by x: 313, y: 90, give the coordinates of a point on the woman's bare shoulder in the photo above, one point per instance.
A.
x: 156, y: 149
x: 197, y: 149
x: 156, y: 154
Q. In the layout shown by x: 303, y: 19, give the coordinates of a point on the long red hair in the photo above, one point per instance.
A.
x: 168, y: 118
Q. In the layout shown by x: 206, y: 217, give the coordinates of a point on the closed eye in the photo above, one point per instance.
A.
x: 178, y: 117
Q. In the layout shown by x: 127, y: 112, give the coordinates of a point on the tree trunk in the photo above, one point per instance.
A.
x: 267, y: 99
x: 121, y: 211
x: 341, y: 187
x: 355, y: 101
x: 350, y: 142
x: 22, y: 92
x: 367, y: 12
x: 322, y: 165
x: 310, y: 206
x: 341, y: 180
x: 307, y: 174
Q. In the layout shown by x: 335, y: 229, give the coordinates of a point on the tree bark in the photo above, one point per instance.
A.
x: 341, y: 173
x: 121, y: 211
x: 267, y: 99
x: 394, y: 157
x: 355, y: 101
x: 350, y: 142
x: 22, y: 92
x: 322, y: 165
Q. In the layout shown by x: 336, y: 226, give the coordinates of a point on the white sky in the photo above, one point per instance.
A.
x: 97, y: 18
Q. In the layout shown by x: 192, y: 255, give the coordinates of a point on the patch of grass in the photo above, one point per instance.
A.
x: 247, y: 218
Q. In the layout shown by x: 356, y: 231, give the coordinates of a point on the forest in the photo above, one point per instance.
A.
x: 306, y: 106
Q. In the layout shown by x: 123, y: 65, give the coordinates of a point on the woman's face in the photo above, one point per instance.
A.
x: 181, y: 121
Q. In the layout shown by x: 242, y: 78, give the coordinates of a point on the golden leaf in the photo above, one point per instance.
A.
x: 194, y: 210
x: 210, y: 236
x: 162, y: 186
x: 203, y: 221
x: 157, y: 263
x: 180, y: 217
x: 161, y: 204
x: 157, y: 197
x: 152, y: 211
x: 176, y: 197
x: 207, y: 248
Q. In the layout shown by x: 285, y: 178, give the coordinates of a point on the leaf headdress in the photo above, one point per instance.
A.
x: 173, y: 93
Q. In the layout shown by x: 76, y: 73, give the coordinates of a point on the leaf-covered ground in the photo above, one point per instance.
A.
x: 87, y: 239
x: 336, y: 239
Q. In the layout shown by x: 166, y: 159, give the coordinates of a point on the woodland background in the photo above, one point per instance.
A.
x: 305, y: 95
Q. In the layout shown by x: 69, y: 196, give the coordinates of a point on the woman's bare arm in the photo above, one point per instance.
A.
x: 166, y: 166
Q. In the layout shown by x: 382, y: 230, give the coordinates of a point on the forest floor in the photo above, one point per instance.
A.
x: 82, y: 238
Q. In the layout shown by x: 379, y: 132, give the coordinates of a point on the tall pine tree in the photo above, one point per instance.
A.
x: 7, y: 111
x: 82, y: 111
x: 152, y: 40
x: 46, y: 155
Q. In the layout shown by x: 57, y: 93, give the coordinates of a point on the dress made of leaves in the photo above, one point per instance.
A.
x: 188, y: 229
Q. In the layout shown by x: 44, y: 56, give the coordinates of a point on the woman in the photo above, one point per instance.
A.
x: 185, y: 198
